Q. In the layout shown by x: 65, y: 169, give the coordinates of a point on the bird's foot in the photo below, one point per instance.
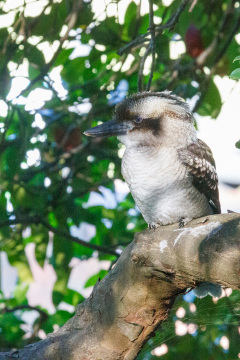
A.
x: 154, y: 225
x: 183, y: 222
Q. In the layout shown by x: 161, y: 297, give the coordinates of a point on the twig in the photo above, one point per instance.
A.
x: 204, y: 89
x: 194, y: 3
x: 139, y: 40
x: 174, y: 19
x: 179, y: 71
x: 152, y: 43
x: 168, y: 25
x: 88, y: 83
x: 28, y: 220
x: 42, y: 313
x: 141, y: 67
x: 72, y: 19
x: 228, y: 41
x: 24, y: 220
x: 201, y: 59
x: 153, y: 31
x: 222, y: 51
x: 66, y: 235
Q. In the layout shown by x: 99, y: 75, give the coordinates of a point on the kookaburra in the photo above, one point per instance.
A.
x: 170, y: 172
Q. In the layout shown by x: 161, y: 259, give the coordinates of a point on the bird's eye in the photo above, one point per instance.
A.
x: 138, y: 120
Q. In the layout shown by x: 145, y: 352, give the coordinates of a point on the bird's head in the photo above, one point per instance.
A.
x: 150, y: 119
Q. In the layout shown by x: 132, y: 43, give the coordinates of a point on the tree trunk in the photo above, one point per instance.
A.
x: 127, y: 306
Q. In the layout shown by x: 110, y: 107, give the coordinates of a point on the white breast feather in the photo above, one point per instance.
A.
x: 161, y: 186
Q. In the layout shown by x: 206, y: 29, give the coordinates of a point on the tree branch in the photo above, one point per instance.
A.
x: 35, y: 219
x: 42, y: 313
x: 68, y: 236
x: 128, y: 305
x: 141, y: 68
x: 152, y: 42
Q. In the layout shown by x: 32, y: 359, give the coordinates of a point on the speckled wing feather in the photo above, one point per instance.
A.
x: 200, y: 163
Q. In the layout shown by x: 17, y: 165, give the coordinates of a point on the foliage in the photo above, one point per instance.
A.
x: 203, y: 328
x: 235, y: 74
x: 52, y: 89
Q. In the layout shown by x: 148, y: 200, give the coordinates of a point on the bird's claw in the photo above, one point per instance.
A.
x: 154, y: 226
x: 181, y: 223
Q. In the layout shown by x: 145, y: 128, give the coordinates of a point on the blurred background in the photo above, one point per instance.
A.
x: 65, y: 212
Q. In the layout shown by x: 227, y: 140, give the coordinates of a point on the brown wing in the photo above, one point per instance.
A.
x: 200, y: 163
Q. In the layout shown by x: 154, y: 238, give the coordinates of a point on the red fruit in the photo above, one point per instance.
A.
x: 67, y: 138
x: 193, y: 41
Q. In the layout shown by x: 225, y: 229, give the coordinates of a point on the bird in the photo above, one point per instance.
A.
x: 171, y: 173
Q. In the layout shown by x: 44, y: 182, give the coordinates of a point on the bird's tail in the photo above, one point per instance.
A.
x: 208, y: 288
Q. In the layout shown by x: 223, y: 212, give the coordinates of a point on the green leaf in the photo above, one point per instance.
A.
x: 106, y: 33
x: 41, y: 249
x: 35, y: 56
x: 62, y: 254
x: 237, y: 144
x: 93, y: 279
x: 33, y: 71
x: 52, y: 219
x: 63, y: 57
x: 211, y: 103
x: 130, y: 24
x: 11, y: 333
x: 24, y: 271
x: 20, y: 292
x: 57, y: 297
x: 235, y: 75
x: 73, y: 297
x: 82, y: 252
x: 59, y: 318
x: 236, y: 58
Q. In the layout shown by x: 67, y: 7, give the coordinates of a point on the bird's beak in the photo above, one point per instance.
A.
x: 110, y: 128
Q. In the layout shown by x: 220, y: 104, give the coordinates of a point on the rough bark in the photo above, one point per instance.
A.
x: 127, y: 306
